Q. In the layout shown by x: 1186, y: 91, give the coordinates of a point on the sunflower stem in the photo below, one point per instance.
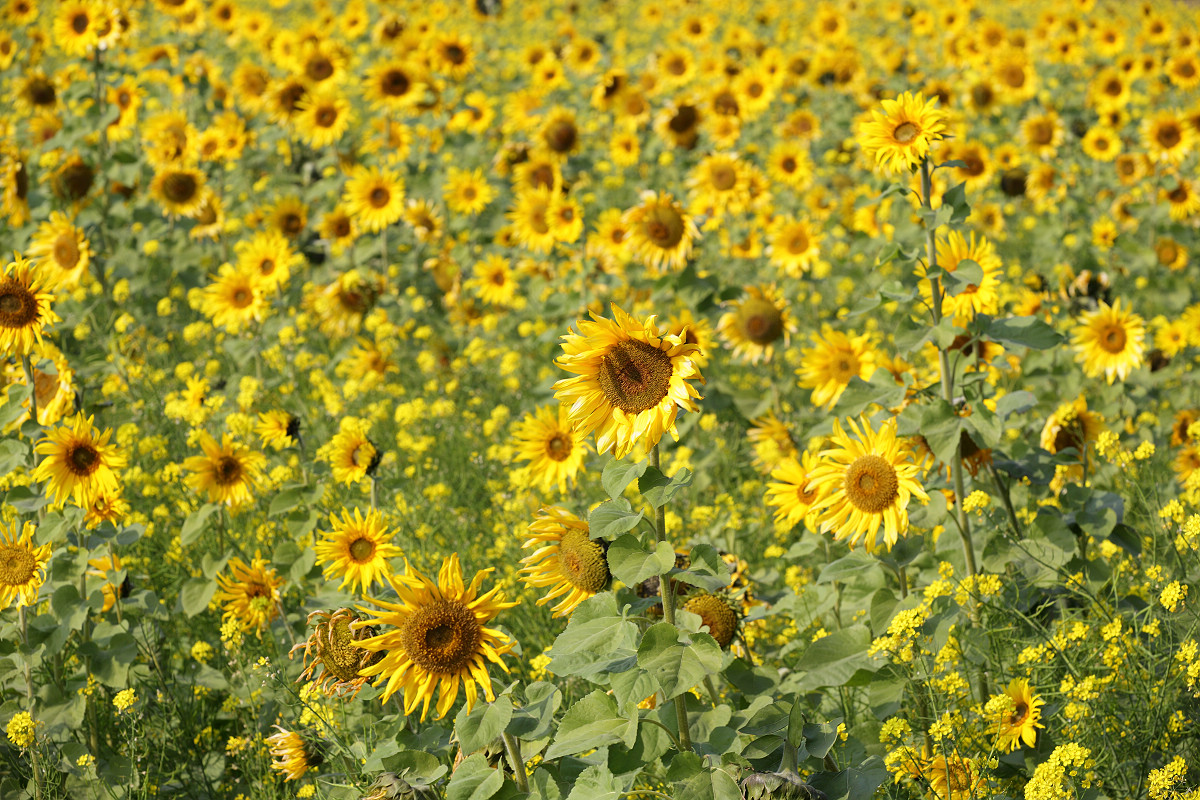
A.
x: 33, y: 410
x: 946, y: 373
x: 513, y: 747
x: 667, y: 591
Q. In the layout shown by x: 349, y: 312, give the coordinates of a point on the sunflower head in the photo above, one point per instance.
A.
x: 331, y: 660
x: 716, y: 614
x: 566, y: 558
x: 899, y: 137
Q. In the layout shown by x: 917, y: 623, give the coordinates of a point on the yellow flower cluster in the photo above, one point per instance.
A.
x: 900, y: 642
x: 20, y: 729
x: 1055, y: 778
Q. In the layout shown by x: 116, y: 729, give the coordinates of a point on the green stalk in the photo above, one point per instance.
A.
x: 513, y: 748
x: 947, y: 375
x: 667, y: 592
x: 33, y: 411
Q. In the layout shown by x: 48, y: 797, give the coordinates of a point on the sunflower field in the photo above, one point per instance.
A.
x: 699, y: 399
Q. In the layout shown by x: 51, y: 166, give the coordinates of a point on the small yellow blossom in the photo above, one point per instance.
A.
x: 20, y: 730
x: 124, y: 699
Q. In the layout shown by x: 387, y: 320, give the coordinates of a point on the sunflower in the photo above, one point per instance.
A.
x: 339, y: 229
x: 900, y: 136
x: 330, y: 649
x: 974, y: 298
x: 357, y: 550
x: 630, y: 381
x: 720, y: 183
x: 79, y: 463
x: 22, y: 565
x: 789, y: 164
x: 953, y: 777
x: 716, y: 614
x: 864, y: 480
x: 179, y: 190
x: 452, y: 55
x: 439, y: 640
x: 269, y: 258
x: 530, y: 216
x: 36, y: 92
x: 234, y: 298
x: 1109, y: 341
x: 322, y: 117
x: 350, y: 454
x: 1183, y: 199
x: 1167, y: 137
x: 24, y: 309
x: 61, y: 252
x: 1042, y: 134
x: 555, y: 450
x: 374, y: 197
x: 660, y: 232
x: 227, y: 472
x: 1101, y: 143
x: 288, y: 216
x: 467, y: 191
x: 1019, y: 725
x: 424, y: 219
x: 249, y: 594
x: 794, y: 246
x: 53, y: 381
x: 559, y: 133
x: 294, y: 754
x: 679, y: 124
x: 14, y: 178
x: 102, y: 568
x: 106, y: 507
x: 564, y: 557
x: 755, y: 323
x: 835, y: 358
x: 75, y: 26
x: 1071, y: 426
x: 791, y: 493
x: 278, y: 429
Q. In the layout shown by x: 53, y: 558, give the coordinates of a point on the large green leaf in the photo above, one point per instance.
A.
x: 678, y: 661
x: 619, y: 473
x: 478, y: 727
x: 1028, y: 332
x: 612, y: 518
x: 632, y: 560
x: 596, y: 783
x: 658, y: 489
x: 194, y: 525
x: 474, y: 780
x: 592, y: 722
x: 834, y: 659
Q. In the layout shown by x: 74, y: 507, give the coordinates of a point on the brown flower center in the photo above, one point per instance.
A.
x: 379, y: 197
x: 228, y: 471
x: 17, y: 565
x: 664, y: 228
x: 180, y: 187
x: 559, y: 447
x: 1019, y: 714
x: 1112, y: 338
x: 561, y: 136
x: 79, y: 23
x: 1169, y: 135
x: 723, y: 177
x: 761, y: 322
x: 362, y: 550
x: 905, y: 132
x: 871, y: 483
x: 319, y: 68
x: 582, y: 562
x: 394, y: 83
x: 717, y: 615
x: 18, y: 306
x: 327, y: 116
x: 83, y: 459
x: 634, y: 375
x: 442, y: 637
x: 242, y: 297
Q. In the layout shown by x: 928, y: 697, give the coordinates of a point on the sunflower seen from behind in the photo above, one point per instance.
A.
x: 357, y: 550
x: 1109, y: 341
x: 22, y: 564
x: 78, y: 462
x: 24, y: 308
x: 899, y: 137
x: 564, y: 558
x: 554, y: 449
x: 866, y: 480
x: 436, y: 639
x: 630, y: 381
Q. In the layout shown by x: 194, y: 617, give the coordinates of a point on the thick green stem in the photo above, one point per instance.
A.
x: 667, y: 592
x: 513, y: 747
x: 33, y: 411
x: 946, y: 373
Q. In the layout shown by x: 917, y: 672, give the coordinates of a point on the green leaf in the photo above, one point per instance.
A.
x: 13, y: 454
x: 1028, y: 332
x: 196, y: 594
x: 535, y: 718
x: 478, y: 727
x: 612, y: 518
x: 592, y: 722
x: 632, y: 561
x: 1015, y: 403
x: 618, y: 474
x: 846, y: 566
x: 880, y: 390
x: 965, y: 275
x: 795, y: 729
x: 833, y: 660
x: 707, y: 570
x: 474, y: 780
x: 819, y: 737
x: 677, y: 661
x: 69, y: 609
x: 595, y: 641
x: 194, y: 525
x: 658, y: 489
x: 942, y: 429
x: 596, y: 783
x: 956, y: 200
x: 293, y: 496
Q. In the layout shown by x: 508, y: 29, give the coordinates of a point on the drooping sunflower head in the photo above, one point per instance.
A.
x: 294, y: 754
x: 331, y: 661
x: 22, y: 564
x: 565, y: 558
x: 900, y: 135
x: 437, y: 638
x: 716, y: 614
x: 630, y: 381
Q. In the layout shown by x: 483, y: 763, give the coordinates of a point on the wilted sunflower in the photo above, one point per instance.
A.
x: 865, y: 479
x: 631, y: 380
x: 835, y: 358
x: 756, y: 323
x: 374, y: 197
x: 1019, y: 725
x: 24, y: 309
x: 565, y: 558
x: 554, y: 449
x: 78, y: 462
x: 900, y: 136
x: 249, y: 595
x: 1071, y: 425
x: 357, y: 550
x: 438, y: 639
x: 61, y: 251
x: 1109, y: 341
x: 660, y: 232
x: 22, y: 564
x: 179, y: 190
x: 227, y: 472
x: 791, y: 493
x: 330, y: 649
x: 716, y: 614
x: 294, y: 755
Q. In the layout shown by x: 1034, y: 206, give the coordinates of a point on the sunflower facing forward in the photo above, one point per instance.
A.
x: 438, y: 639
x: 1019, y: 723
x: 1109, y: 342
x: 565, y: 558
x: 22, y: 565
x: 899, y: 137
x: 24, y: 308
x: 866, y: 479
x: 227, y: 472
x: 79, y: 462
x: 555, y: 450
x: 630, y: 381
x: 357, y: 550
